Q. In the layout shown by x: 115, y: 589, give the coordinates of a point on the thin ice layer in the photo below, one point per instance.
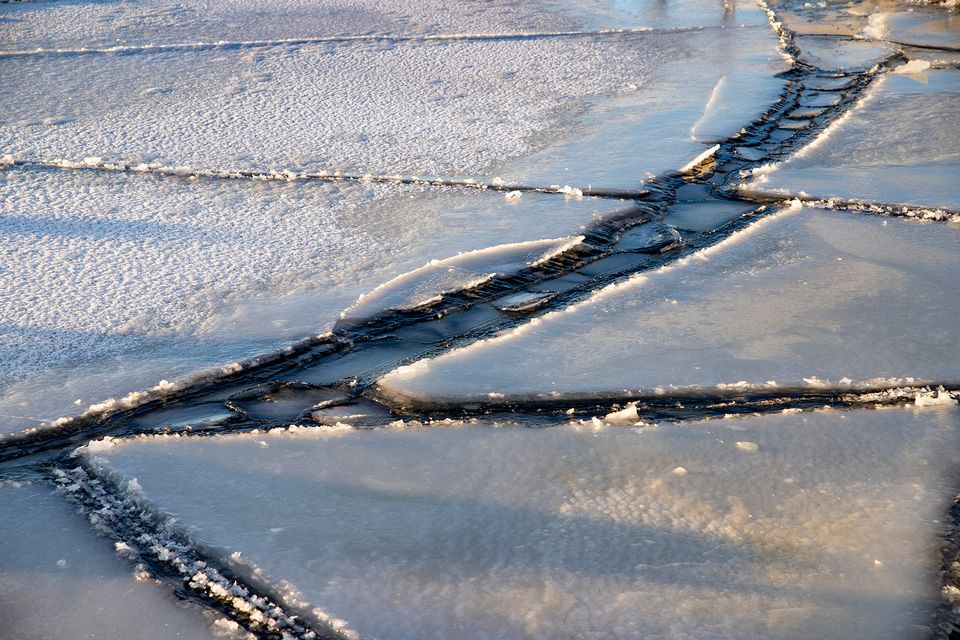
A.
x: 901, y: 147
x: 428, y: 283
x: 712, y: 84
x: 804, y: 299
x: 163, y: 276
x: 841, y: 54
x: 422, y: 108
x: 58, y: 579
x: 815, y: 525
x: 737, y: 99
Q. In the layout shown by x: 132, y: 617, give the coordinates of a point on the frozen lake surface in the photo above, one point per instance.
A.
x: 574, y: 318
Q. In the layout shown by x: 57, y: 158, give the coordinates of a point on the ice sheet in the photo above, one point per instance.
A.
x: 712, y: 84
x: 922, y: 27
x: 788, y: 526
x: 107, y: 24
x: 901, y: 147
x: 838, y: 54
x: 58, y: 579
x: 115, y: 281
x: 421, y: 108
x: 660, y: 15
x: 805, y: 299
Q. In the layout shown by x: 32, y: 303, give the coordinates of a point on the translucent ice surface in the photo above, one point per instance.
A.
x: 58, y: 579
x: 112, y: 282
x: 813, y: 525
x: 804, y: 299
x: 660, y: 15
x: 712, y: 84
x: 838, y: 54
x: 901, y: 147
x: 922, y: 27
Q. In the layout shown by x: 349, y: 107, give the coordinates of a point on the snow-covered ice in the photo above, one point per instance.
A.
x: 59, y: 579
x: 158, y: 223
x: 83, y: 25
x: 112, y: 282
x: 420, y: 108
x: 803, y: 299
x: 902, y: 146
x: 797, y: 525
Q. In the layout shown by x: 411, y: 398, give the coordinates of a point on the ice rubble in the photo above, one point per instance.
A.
x: 901, y: 146
x: 58, y: 579
x: 805, y: 299
x: 568, y: 531
x: 163, y: 277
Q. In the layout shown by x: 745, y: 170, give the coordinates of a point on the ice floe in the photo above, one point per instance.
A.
x: 415, y: 108
x: 711, y: 84
x: 902, y: 146
x: 793, y: 525
x: 805, y: 299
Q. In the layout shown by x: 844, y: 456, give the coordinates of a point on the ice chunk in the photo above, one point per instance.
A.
x: 914, y: 66
x: 901, y: 147
x: 625, y: 416
x: 526, y: 301
x: 827, y: 530
x: 59, y: 579
x: 429, y: 283
x: 809, y: 298
x: 649, y: 238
